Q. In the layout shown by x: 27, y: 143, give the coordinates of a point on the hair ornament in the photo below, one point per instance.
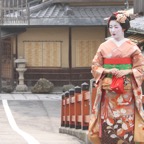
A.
x: 121, y: 16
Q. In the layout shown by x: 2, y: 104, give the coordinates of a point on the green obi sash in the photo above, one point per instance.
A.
x: 118, y: 66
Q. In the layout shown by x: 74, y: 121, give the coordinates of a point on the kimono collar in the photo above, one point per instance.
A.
x: 119, y: 43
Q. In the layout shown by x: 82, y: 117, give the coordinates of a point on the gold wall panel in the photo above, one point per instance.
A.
x: 42, y: 54
x: 51, y: 54
x: 85, y: 51
x: 33, y: 53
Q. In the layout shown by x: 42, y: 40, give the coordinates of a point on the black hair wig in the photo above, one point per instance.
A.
x: 124, y: 26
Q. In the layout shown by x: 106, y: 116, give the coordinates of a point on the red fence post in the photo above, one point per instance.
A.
x: 85, y: 105
x: 63, y: 110
x: 66, y: 109
x: 77, y: 107
x: 71, y: 108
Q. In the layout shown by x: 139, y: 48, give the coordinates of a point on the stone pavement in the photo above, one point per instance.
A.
x: 30, y: 96
x: 37, y: 114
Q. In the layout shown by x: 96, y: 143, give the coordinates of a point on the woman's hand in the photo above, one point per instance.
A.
x: 121, y: 73
x: 111, y: 71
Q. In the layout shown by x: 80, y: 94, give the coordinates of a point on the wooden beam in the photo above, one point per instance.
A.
x: 80, y: 1
x: 91, y: 2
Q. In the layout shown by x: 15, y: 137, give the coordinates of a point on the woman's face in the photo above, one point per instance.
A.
x: 116, y: 30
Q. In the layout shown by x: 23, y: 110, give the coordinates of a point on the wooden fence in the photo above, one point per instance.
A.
x: 76, y: 106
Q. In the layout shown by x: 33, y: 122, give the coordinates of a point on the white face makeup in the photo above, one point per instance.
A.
x: 116, y: 30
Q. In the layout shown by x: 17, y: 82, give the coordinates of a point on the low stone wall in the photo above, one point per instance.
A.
x: 81, y: 134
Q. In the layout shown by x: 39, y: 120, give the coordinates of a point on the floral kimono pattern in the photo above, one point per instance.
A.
x: 118, y: 110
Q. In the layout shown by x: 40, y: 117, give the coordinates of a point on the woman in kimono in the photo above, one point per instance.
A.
x: 118, y: 110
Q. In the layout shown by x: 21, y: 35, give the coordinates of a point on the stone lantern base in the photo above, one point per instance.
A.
x: 21, y: 88
x: 21, y: 62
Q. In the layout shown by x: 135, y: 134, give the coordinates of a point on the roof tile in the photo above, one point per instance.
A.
x: 137, y: 25
x: 63, y: 14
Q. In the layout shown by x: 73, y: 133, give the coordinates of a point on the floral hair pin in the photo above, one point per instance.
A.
x: 121, y: 16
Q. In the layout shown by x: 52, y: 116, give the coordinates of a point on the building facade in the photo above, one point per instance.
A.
x: 57, y: 38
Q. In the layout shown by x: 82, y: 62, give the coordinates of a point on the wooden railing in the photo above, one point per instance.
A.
x: 76, y: 106
x: 14, y: 12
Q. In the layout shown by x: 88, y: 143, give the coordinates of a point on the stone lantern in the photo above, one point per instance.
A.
x: 21, y: 63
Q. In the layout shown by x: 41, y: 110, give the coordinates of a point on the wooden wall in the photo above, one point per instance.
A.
x: 85, y: 41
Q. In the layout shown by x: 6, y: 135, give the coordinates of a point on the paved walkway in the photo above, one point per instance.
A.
x: 36, y: 114
x: 30, y: 96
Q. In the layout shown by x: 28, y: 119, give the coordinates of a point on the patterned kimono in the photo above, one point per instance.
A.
x: 117, y: 111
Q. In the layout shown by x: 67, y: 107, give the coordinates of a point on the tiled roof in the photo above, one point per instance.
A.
x: 59, y: 14
x: 137, y: 25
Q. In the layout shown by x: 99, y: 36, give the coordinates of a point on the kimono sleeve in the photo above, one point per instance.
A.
x: 97, y: 66
x: 138, y: 66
